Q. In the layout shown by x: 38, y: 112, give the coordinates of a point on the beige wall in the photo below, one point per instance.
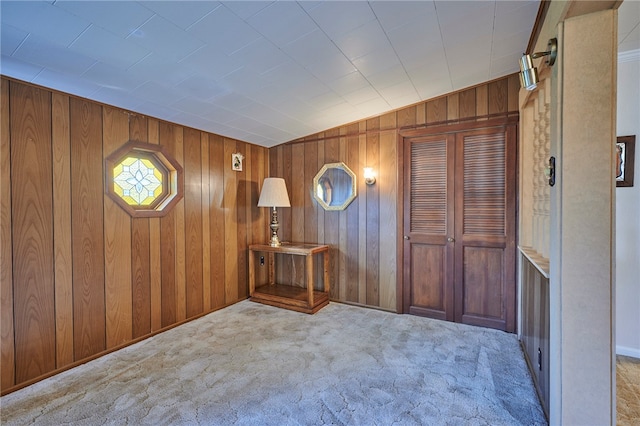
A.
x: 583, y: 110
x: 586, y: 249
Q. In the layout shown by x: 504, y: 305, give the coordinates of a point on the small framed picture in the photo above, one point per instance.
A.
x: 236, y: 162
x: 625, y: 153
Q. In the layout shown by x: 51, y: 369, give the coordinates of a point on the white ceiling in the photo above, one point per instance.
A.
x: 265, y: 72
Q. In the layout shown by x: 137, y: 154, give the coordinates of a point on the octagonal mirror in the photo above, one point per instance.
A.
x: 334, y: 187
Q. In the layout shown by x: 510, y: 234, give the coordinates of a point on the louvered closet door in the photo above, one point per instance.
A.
x: 485, y: 228
x: 459, y: 226
x: 428, y: 223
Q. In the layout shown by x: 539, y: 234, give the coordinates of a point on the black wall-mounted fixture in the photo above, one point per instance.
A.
x: 551, y: 171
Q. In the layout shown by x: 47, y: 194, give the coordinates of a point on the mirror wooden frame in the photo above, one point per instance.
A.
x: 326, y: 176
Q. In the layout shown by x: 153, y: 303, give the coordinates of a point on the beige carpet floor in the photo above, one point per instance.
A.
x: 251, y: 364
x: 627, y: 391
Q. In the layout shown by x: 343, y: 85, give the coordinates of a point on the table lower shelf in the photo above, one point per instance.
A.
x: 290, y: 297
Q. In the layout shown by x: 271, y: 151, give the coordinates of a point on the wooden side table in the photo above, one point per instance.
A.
x: 285, y: 296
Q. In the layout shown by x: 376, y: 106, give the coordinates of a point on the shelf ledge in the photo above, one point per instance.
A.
x: 540, y: 262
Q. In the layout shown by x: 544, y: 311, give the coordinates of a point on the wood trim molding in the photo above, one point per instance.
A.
x: 454, y: 128
x: 537, y: 26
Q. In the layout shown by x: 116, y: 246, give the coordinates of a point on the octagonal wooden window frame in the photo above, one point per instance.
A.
x: 173, y: 185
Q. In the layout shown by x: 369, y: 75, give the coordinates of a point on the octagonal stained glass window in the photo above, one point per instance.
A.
x: 138, y: 181
x: 143, y: 179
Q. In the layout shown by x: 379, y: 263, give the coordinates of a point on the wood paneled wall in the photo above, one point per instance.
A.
x: 365, y: 237
x: 79, y: 276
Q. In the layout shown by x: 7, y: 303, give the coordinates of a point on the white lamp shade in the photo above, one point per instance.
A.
x: 274, y: 193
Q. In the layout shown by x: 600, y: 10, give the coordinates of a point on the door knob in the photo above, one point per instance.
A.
x: 406, y: 237
x: 451, y: 239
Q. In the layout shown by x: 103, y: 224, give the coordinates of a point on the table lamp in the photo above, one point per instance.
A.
x: 274, y: 194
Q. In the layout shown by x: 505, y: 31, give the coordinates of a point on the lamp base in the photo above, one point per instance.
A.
x: 275, y: 241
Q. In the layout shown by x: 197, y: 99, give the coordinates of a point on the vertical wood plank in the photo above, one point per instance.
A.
x: 387, y: 184
x: 421, y: 113
x: 168, y: 266
x: 386, y: 181
x: 514, y: 92
x: 266, y: 170
x: 181, y: 278
x: 320, y: 212
x: 32, y: 204
x: 437, y: 110
x: 286, y: 215
x: 155, y: 277
x: 372, y: 224
x: 259, y: 163
x: 276, y: 169
x: 310, y: 207
x: 230, y: 224
x: 206, y: 230
x: 242, y: 211
x: 351, y: 230
x: 7, y: 343
x: 273, y: 162
x: 332, y: 221
x: 297, y: 193
x: 297, y: 211
x: 404, y: 118
x: 453, y: 107
x: 193, y: 221
x: 482, y: 101
x: 87, y: 232
x: 373, y: 124
x: 140, y: 251
x: 140, y: 278
x: 343, y: 259
x: 498, y: 93
x: 167, y: 135
x: 263, y: 214
x: 117, y: 242
x: 217, y: 220
x: 283, y: 164
x: 138, y: 129
x: 467, y: 103
x: 259, y: 166
x: 61, y: 151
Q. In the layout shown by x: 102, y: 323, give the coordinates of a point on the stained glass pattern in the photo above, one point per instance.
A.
x: 138, y: 181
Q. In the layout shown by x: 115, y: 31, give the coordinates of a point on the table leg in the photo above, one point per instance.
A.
x: 327, y: 286
x: 310, y: 280
x: 252, y: 273
x: 272, y: 268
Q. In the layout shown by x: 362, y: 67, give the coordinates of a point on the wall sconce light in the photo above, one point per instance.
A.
x: 529, y: 73
x: 274, y: 194
x: 369, y: 177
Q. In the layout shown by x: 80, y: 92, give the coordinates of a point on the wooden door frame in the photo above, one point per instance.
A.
x: 402, y: 293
